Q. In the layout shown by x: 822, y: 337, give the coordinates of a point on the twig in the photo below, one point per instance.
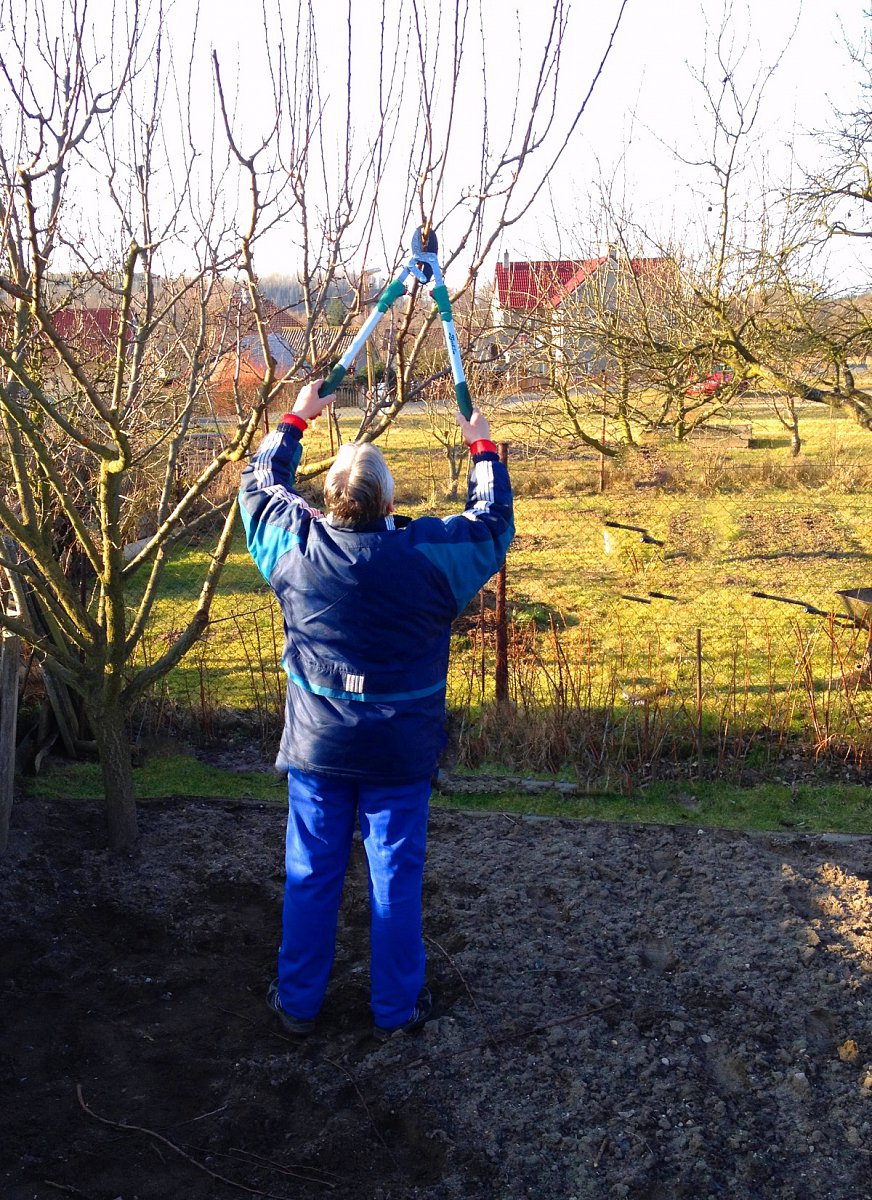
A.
x: 172, y: 1146
x: 366, y: 1108
x: 239, y: 1016
x: 313, y: 1174
x: 320, y: 1175
x: 65, y: 1187
x: 601, y: 1152
x: 460, y: 976
x: 590, y: 1012
x: 203, y: 1116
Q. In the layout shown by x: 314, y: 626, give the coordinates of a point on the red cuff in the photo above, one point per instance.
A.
x: 298, y: 422
x: 482, y: 446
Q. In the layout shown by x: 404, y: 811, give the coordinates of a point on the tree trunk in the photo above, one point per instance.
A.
x: 113, y: 747
x: 10, y: 657
x: 624, y: 404
x: 455, y: 455
x: 795, y: 439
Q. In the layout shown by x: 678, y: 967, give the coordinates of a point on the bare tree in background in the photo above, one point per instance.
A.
x: 137, y: 193
x: 839, y: 192
x: 678, y: 332
x: 763, y: 304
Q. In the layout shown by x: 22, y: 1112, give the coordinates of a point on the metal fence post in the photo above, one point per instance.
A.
x: 501, y: 671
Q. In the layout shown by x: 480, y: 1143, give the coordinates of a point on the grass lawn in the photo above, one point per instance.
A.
x: 602, y: 619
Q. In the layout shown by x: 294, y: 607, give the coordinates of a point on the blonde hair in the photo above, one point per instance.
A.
x: 359, y: 487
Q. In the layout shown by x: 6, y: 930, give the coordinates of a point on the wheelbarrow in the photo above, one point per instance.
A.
x: 857, y: 603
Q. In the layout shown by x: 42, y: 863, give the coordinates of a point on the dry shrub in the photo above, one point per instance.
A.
x: 574, y: 485
x: 533, y: 483
x: 565, y: 714
x: 714, y: 472
x: 838, y: 472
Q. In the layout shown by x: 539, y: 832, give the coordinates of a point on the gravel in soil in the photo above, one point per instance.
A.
x: 624, y: 1011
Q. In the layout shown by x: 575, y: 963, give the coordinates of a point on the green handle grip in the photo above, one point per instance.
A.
x: 392, y: 292
x: 440, y: 299
x: 464, y: 400
x: 333, y: 380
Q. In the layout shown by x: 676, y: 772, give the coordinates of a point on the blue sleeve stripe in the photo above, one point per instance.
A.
x: 267, y: 543
x: 371, y: 697
x: 467, y: 565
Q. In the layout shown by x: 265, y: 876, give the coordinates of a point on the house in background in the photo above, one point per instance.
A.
x: 91, y: 330
x: 292, y: 349
x: 91, y: 335
x: 558, y: 307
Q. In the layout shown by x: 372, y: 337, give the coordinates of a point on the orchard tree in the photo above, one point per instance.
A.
x: 139, y: 190
x: 839, y: 192
x: 766, y: 307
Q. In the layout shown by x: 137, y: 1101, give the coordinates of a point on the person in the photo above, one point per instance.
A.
x: 367, y: 599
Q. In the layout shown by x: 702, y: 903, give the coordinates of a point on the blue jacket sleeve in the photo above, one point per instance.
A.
x: 274, y: 516
x: 471, y: 546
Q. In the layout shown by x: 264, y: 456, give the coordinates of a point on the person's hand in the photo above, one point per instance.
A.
x: 309, y: 403
x: 476, y: 429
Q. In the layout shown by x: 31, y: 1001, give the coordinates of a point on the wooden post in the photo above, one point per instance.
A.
x: 10, y: 655
x: 501, y: 672
x: 27, y: 606
x: 699, y: 702
x: 602, y: 460
x: 602, y: 457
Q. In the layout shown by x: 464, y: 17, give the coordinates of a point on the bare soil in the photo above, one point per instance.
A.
x: 624, y: 1011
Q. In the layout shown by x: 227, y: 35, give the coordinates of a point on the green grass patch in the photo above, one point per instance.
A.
x: 603, y: 622
x: 834, y: 808
x: 809, y: 808
x: 161, y: 778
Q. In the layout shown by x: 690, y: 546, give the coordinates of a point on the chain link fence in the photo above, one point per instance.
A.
x: 703, y: 604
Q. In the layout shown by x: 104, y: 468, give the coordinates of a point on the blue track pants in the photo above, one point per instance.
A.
x: 322, y: 813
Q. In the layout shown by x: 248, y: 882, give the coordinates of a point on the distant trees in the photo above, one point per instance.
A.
x: 741, y: 300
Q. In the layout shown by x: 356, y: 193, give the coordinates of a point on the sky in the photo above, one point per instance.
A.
x: 646, y: 114
x: 647, y: 104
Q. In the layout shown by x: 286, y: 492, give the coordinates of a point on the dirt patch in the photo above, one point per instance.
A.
x: 626, y: 1011
x: 688, y: 537
x: 816, y: 533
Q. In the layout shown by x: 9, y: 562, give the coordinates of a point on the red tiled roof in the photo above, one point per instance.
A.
x: 530, y: 285
x: 526, y: 286
x: 87, y: 325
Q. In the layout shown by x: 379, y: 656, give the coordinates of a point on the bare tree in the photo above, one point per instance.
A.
x: 760, y: 284
x: 839, y: 192
x: 742, y: 298
x: 106, y: 361
x: 131, y: 220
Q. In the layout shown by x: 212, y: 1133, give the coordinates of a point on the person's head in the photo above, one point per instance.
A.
x: 359, y: 487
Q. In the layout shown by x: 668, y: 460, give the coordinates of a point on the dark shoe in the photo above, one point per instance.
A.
x: 421, y: 1013
x: 295, y: 1025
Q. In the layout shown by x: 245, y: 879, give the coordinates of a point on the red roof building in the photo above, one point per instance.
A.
x: 529, y: 286
x: 92, y: 329
x: 549, y: 307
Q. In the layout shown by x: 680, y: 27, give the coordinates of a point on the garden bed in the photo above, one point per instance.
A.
x: 624, y: 1011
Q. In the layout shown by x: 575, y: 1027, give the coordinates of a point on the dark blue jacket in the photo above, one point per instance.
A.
x: 367, y: 614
